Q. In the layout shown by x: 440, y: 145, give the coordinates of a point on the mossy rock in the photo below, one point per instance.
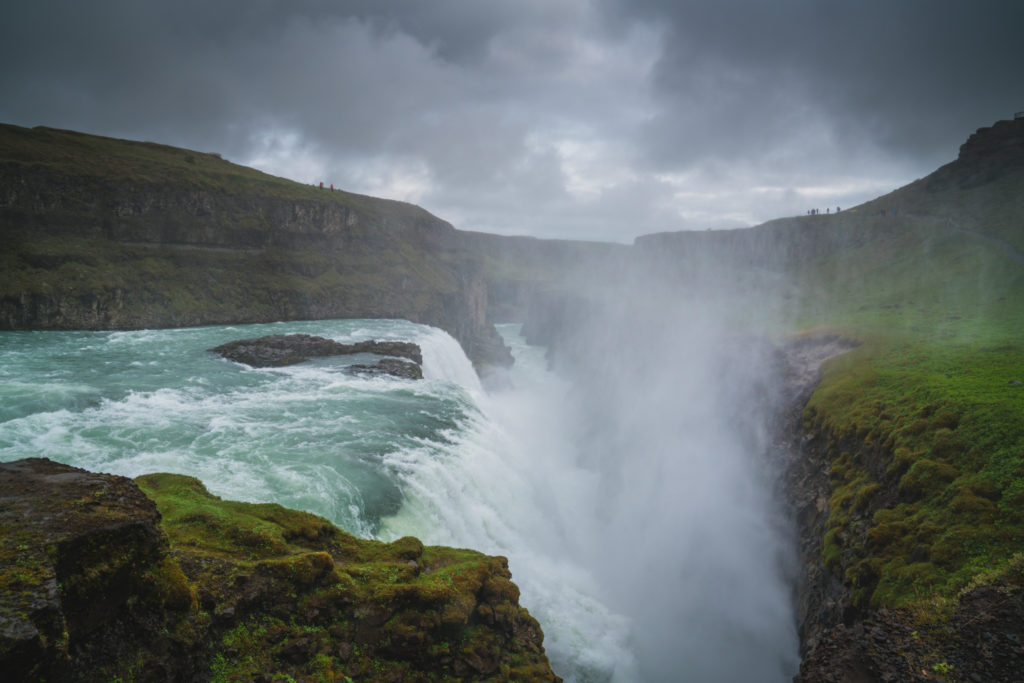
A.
x: 308, y: 600
x: 102, y: 579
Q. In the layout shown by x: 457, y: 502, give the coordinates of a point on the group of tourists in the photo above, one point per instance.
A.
x: 816, y: 212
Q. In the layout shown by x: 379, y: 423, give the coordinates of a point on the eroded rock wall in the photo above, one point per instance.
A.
x: 138, y: 238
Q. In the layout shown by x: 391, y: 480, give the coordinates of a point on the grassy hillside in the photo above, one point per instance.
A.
x: 103, y: 160
x: 102, y: 233
x: 925, y: 420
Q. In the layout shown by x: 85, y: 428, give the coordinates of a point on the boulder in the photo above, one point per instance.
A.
x: 278, y: 350
x: 393, y: 367
x: 85, y: 582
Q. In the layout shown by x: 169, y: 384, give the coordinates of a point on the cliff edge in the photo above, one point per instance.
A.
x: 100, y: 233
x: 103, y: 578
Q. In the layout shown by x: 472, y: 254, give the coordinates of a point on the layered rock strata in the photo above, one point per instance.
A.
x: 111, y: 234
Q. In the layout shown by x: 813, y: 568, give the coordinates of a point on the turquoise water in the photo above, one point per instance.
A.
x: 307, y: 436
x: 382, y: 457
x: 633, y: 504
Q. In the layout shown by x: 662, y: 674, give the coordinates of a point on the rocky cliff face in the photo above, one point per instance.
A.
x: 102, y: 233
x: 87, y: 586
x: 988, y: 154
x: 102, y: 583
x: 975, y: 636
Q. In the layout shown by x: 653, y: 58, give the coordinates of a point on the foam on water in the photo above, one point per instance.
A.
x: 511, y: 484
x: 306, y: 436
x: 444, y: 359
x: 438, y: 458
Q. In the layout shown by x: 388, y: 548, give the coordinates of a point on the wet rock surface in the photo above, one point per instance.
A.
x: 981, y: 641
x: 83, y: 579
x: 392, y: 367
x: 279, y: 350
x: 820, y: 597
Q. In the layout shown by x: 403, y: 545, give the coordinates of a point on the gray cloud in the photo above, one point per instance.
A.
x: 910, y: 76
x: 587, y: 118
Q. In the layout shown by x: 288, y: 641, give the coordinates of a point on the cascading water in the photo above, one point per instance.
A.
x: 674, y: 408
x: 512, y: 484
x: 637, y: 529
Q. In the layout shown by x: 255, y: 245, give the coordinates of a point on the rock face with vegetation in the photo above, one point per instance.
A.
x: 905, y: 461
x: 111, y: 234
x: 908, y: 477
x: 108, y: 579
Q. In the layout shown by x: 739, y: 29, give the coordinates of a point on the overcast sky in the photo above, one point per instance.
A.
x: 593, y: 119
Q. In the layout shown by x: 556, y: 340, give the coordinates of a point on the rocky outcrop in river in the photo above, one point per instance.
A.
x: 273, y: 351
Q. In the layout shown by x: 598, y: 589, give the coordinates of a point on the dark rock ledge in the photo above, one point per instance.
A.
x: 104, y: 578
x: 395, y: 367
x: 278, y: 350
x: 978, y: 636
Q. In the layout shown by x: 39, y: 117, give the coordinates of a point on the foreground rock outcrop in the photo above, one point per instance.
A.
x: 979, y: 637
x: 103, y: 578
x: 86, y: 584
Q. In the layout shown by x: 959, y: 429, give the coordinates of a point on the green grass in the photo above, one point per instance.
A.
x: 102, y: 160
x: 928, y: 469
x: 315, y: 603
x: 925, y: 420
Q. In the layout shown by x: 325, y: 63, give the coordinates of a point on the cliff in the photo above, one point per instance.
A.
x: 906, y: 461
x: 903, y: 467
x: 107, y: 579
x: 988, y: 154
x: 112, y: 234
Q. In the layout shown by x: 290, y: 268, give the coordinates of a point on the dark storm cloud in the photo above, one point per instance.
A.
x: 198, y: 71
x: 912, y: 76
x: 599, y: 118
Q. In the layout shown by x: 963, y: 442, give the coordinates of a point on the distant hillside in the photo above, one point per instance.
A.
x: 920, y: 430
x: 101, y: 233
x: 914, y: 524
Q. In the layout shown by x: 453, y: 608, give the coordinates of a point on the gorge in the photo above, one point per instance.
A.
x: 675, y: 493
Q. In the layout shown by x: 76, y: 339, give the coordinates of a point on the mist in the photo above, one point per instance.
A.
x: 649, y: 471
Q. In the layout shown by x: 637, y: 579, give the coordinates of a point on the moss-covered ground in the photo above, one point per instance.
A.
x: 925, y: 419
x: 288, y: 596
